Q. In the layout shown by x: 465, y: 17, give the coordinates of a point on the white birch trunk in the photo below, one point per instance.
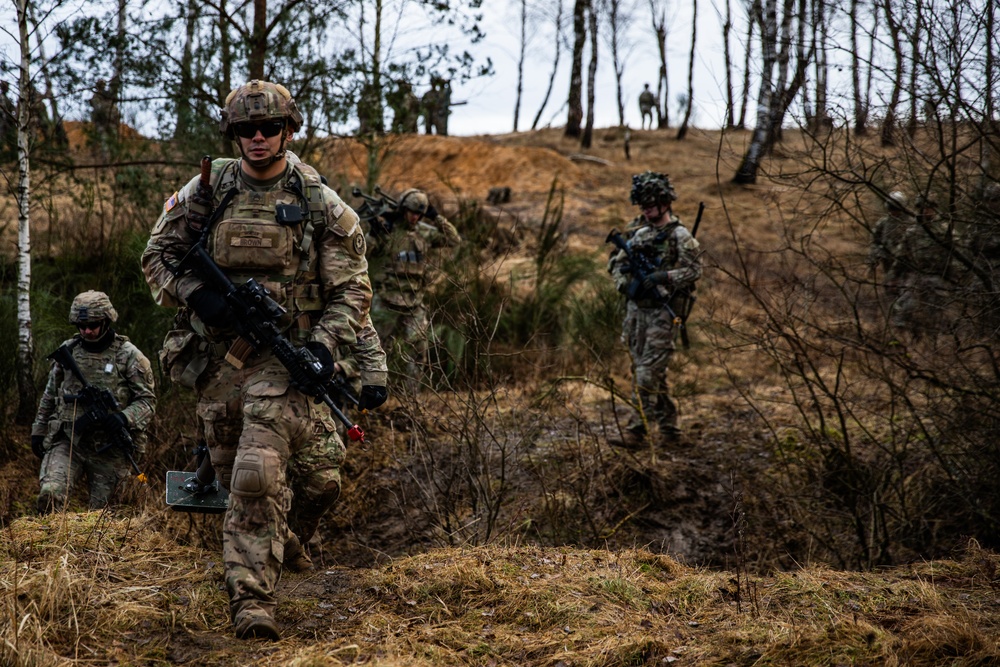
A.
x: 25, y: 343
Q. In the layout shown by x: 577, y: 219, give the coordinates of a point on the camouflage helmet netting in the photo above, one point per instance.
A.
x: 651, y: 188
x: 414, y: 200
x: 258, y: 101
x: 91, y: 306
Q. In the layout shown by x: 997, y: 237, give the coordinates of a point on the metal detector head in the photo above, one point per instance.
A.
x: 186, y: 494
x: 197, y: 491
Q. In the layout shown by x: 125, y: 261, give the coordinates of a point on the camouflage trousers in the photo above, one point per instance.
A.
x: 404, y: 335
x: 649, y: 334
x: 64, y: 465
x: 278, y: 454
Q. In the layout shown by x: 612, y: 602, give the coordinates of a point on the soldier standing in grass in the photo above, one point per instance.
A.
x: 65, y: 435
x: 401, y: 245
x: 269, y: 217
x: 649, y: 324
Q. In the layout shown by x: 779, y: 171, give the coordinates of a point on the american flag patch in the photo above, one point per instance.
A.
x: 170, y: 203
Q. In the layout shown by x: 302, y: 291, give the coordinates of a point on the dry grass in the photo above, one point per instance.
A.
x: 93, y: 588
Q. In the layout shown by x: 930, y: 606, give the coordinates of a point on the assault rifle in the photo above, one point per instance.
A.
x: 376, y: 210
x: 640, y: 265
x: 100, y: 404
x: 255, y: 317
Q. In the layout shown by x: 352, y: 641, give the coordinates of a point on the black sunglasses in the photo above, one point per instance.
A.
x: 269, y: 129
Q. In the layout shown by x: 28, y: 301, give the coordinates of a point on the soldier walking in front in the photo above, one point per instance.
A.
x: 267, y: 218
x: 653, y: 304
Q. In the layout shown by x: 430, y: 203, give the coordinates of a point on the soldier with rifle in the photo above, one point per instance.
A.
x: 403, y: 235
x: 270, y: 264
x: 656, y: 270
x: 97, y: 404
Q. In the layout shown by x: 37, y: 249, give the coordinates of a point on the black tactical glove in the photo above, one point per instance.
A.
x: 84, y: 424
x: 211, y: 307
x: 431, y: 213
x: 372, y: 396
x: 656, y: 278
x: 38, y: 445
x: 323, y: 356
x: 115, y: 421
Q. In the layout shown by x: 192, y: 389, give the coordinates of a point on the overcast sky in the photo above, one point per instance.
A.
x: 490, y: 108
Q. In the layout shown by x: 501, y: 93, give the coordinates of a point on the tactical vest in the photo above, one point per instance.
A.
x: 404, y: 271
x: 248, y: 242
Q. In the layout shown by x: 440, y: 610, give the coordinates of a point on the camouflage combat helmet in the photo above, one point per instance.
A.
x: 258, y: 101
x: 895, y: 201
x: 650, y: 188
x: 414, y: 200
x: 91, y: 306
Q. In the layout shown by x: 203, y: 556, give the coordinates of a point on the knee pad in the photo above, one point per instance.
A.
x: 254, y: 474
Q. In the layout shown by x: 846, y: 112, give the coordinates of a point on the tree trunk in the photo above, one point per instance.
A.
x: 860, y: 104
x: 682, y: 131
x: 182, y: 97
x: 745, y: 98
x: 574, y: 101
x: 727, y: 28
x: 663, y: 83
x: 27, y: 396
x: 588, y: 134
x: 747, y: 172
x: 918, y: 22
x: 520, y: 63
x: 555, y: 66
x: 225, y: 54
x: 822, y: 68
x: 258, y: 40
x: 616, y: 25
x: 889, y: 122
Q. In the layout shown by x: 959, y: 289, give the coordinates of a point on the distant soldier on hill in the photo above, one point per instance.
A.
x: 646, y: 103
x: 405, y: 109
x: 436, y: 107
x: 69, y: 435
x: 661, y: 242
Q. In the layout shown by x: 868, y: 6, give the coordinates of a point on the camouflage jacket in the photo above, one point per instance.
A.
x: 316, y: 268
x: 671, y: 247
x: 402, y: 267
x: 886, y: 237
x: 121, y: 368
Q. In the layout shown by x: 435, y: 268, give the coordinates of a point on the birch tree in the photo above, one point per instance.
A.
x: 588, y: 133
x: 682, y: 130
x: 555, y: 63
x: 27, y: 396
x: 658, y: 15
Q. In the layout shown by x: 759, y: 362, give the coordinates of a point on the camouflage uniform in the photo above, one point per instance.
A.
x: 888, y: 232
x: 111, y: 363
x: 403, y: 274
x: 406, y: 109
x: 648, y: 329
x: 268, y: 440
x: 923, y: 273
x: 646, y: 103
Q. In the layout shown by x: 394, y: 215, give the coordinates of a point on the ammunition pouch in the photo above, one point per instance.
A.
x: 184, y: 357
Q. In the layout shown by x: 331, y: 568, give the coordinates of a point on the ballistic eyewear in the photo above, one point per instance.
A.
x: 269, y: 129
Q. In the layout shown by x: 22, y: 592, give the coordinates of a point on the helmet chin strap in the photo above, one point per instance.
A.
x: 263, y: 164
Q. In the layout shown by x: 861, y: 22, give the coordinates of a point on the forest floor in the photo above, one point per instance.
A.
x: 674, y: 578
